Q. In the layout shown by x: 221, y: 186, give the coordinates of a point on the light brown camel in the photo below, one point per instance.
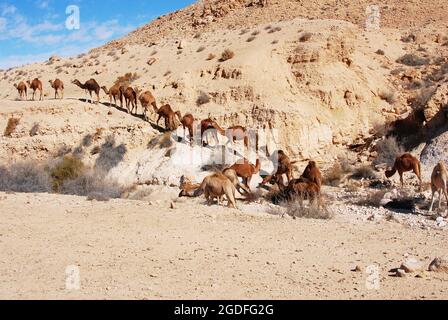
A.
x: 115, y: 93
x: 216, y: 186
x: 439, y: 180
x: 245, y: 170
x: 187, y: 122
x: 168, y: 114
x: 284, y: 166
x: 90, y: 86
x: 147, y: 99
x: 235, y: 133
x: 130, y: 98
x: 312, y: 174
x: 34, y: 85
x: 22, y: 89
x: 58, y: 87
x: 233, y: 177
x: 404, y: 163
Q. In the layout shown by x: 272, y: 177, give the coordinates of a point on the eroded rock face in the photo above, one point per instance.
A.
x: 435, y: 151
x: 437, y: 103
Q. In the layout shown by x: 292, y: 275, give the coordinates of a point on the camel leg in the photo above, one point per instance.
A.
x: 440, y: 199
x: 432, y: 202
x: 401, y: 179
x: 62, y: 94
x: 97, y: 98
x: 41, y: 97
x: 158, y: 120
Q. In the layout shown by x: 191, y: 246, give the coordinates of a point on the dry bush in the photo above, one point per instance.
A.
x: 34, y: 130
x: 163, y: 141
x: 202, y: 99
x: 201, y: 48
x: 244, y: 31
x: 111, y: 54
x: 380, y: 52
x: 28, y: 177
x: 250, y: 39
x: 305, y: 37
x: 197, y: 35
x: 127, y: 79
x: 276, y: 29
x: 373, y: 199
x: 364, y: 172
x: 211, y: 56
x: 337, y: 172
x: 274, y: 42
x: 68, y: 169
x: 11, y: 126
x: 227, y: 55
x: 313, y: 211
x: 255, y: 33
x: 166, y: 74
x: 413, y: 60
x: 389, y: 96
x: 153, y: 53
x: 388, y: 150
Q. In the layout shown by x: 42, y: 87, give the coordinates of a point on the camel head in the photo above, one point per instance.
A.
x: 76, y: 81
x: 257, y: 166
x: 15, y: 85
x: 28, y: 82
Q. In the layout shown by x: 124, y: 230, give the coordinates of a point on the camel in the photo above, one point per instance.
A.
x: 404, y: 163
x: 191, y: 190
x: 301, y: 189
x: 169, y: 115
x: 246, y: 170
x: 36, y: 84
x: 233, y: 134
x: 208, y: 124
x: 439, y: 180
x: 22, y: 89
x: 187, y: 122
x: 115, y: 93
x: 147, y: 99
x: 313, y: 174
x: 130, y: 98
x: 90, y: 86
x: 58, y: 86
x: 216, y: 186
x: 284, y: 166
x: 232, y: 175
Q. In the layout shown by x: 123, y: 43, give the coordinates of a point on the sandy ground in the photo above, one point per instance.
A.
x: 134, y: 250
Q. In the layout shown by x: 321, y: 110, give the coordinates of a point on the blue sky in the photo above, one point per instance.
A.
x: 33, y: 30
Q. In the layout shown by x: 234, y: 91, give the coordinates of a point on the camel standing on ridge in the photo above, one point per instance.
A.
x: 216, y: 186
x: 439, y: 180
x: 114, y: 93
x: 246, y: 170
x: 187, y: 122
x: 168, y: 114
x: 146, y: 99
x: 22, y: 89
x: 58, y: 87
x: 90, y: 86
x: 130, y: 98
x: 35, y: 85
x: 405, y: 163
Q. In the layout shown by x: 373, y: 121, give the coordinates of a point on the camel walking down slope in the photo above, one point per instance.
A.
x: 90, y: 86
x: 169, y: 115
x: 146, y: 99
x: 439, y: 180
x: 130, y: 98
x: 58, y: 87
x: 114, y: 93
x: 35, y: 85
x: 22, y: 89
x: 405, y: 163
x: 187, y: 122
x: 246, y: 170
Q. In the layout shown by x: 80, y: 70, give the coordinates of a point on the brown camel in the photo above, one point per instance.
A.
x: 439, y: 180
x: 312, y: 174
x: 130, y: 98
x: 168, y: 114
x: 216, y: 186
x: 191, y: 190
x: 34, y: 85
x: 246, y: 170
x: 208, y: 124
x: 302, y: 189
x: 147, y: 99
x: 235, y: 133
x: 58, y: 87
x: 90, y: 86
x: 187, y: 122
x: 115, y: 93
x: 22, y: 89
x: 404, y: 163
x: 284, y: 166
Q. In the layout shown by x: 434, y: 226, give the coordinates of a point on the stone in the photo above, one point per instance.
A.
x: 172, y: 206
x: 439, y: 264
x: 54, y: 59
x: 412, y: 265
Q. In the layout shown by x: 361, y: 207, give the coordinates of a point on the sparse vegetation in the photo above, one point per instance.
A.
x: 313, y: 211
x: 388, y: 95
x: 34, y: 130
x: 372, y: 199
x: 28, y: 177
x: 305, y: 37
x: 11, y: 126
x: 388, y: 150
x: 250, y: 39
x: 68, y: 169
x: 200, y: 49
x: 211, y: 56
x: 127, y: 79
x: 413, y: 60
x: 255, y: 33
x: 364, y: 172
x: 227, y: 55
x: 202, y: 99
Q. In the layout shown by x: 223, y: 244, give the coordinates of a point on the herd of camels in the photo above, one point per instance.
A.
x: 226, y: 183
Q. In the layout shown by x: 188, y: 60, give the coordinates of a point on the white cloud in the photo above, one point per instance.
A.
x: 7, y: 9
x: 42, y: 4
x: 3, y: 23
